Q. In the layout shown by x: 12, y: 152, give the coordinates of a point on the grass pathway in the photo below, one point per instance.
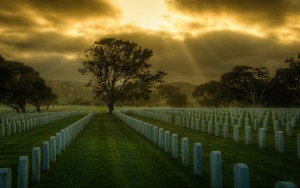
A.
x: 109, y: 154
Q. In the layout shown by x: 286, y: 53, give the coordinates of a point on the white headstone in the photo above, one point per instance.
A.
x: 262, y: 138
x: 46, y: 159
x: 167, y: 141
x: 285, y: 184
x: 52, y: 149
x: 36, y: 164
x: 198, y: 159
x: 174, y: 146
x: 23, y: 166
x: 216, y: 169
x: 185, y: 151
x: 5, y: 177
x: 241, y: 175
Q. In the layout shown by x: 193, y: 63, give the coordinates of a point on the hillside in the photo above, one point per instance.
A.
x: 69, y: 91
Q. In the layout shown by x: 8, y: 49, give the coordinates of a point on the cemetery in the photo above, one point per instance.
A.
x: 162, y: 147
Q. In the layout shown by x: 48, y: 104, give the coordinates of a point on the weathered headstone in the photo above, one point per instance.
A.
x: 236, y: 133
x: 248, y: 135
x: 5, y: 177
x: 216, y: 169
x: 217, y: 129
x: 225, y: 131
x: 265, y: 124
x: 63, y: 140
x: 14, y: 128
x: 198, y: 159
x: 174, y: 146
x: 36, y: 164
x: 262, y: 138
x: 192, y: 123
x: 255, y: 125
x: 276, y: 126
x: 167, y: 141
x: 185, y: 151
x: 288, y: 129
x: 161, y: 138
x: 209, y: 127
x: 155, y: 135
x: 58, y: 144
x: 285, y: 184
x: 52, y: 149
x: 241, y: 175
x: 46, y: 159
x: 279, y: 142
x: 23, y: 166
x: 197, y: 124
x: 203, y: 128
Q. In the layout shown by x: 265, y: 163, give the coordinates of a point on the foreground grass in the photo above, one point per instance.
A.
x: 14, y: 146
x: 265, y: 165
x: 109, y: 154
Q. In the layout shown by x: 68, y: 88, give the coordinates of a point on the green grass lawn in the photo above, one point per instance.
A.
x: 14, y: 146
x: 107, y: 153
x: 265, y: 165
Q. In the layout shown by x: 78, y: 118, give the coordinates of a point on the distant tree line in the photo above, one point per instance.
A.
x: 253, y: 86
x: 21, y: 84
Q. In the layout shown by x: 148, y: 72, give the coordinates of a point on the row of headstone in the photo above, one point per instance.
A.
x: 190, y: 122
x: 10, y: 118
x: 15, y: 127
x: 204, y: 127
x: 221, y: 114
x: 162, y: 139
x: 41, y: 159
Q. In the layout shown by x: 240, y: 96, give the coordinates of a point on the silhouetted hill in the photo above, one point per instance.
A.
x: 69, y: 91
x: 185, y: 87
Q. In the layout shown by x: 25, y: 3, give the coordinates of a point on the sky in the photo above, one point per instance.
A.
x: 193, y: 40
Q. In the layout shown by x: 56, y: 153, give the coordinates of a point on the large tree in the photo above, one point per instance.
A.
x: 119, y: 70
x: 211, y: 93
x: 247, y: 84
x: 39, y: 93
x: 289, y: 80
x: 172, y: 95
x: 19, y: 84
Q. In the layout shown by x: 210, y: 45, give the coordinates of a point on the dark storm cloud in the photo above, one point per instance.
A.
x: 261, y: 12
x: 62, y: 8
x: 55, y: 67
x: 203, y: 58
x: 47, y: 42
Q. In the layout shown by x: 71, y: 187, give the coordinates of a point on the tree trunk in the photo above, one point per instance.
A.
x: 110, y: 106
x: 17, y: 109
x: 38, y: 108
x: 23, y: 110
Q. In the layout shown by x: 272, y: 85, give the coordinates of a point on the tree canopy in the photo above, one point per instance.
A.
x: 252, y: 86
x: 172, y: 95
x: 21, y: 84
x: 119, y: 70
